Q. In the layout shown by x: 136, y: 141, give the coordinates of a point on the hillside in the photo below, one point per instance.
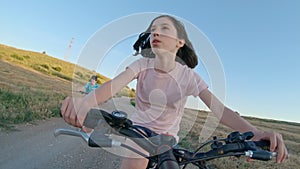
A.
x: 33, y: 84
x: 46, y: 64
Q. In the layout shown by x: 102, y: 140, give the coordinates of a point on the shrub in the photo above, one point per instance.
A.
x: 79, y: 74
x: 132, y: 102
x: 57, y: 68
x: 40, y: 68
x: 17, y: 57
x: 45, y: 66
x: 62, y: 76
x: 26, y: 57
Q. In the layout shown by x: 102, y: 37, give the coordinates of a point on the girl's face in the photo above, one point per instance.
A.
x: 164, y: 36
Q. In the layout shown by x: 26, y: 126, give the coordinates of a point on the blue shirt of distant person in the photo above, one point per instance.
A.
x: 91, y: 85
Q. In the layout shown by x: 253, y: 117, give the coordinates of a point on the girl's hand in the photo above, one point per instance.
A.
x: 74, y: 111
x: 276, y: 144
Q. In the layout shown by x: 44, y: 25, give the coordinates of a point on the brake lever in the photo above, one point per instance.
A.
x: 72, y: 132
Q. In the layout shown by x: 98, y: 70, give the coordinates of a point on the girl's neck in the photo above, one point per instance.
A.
x: 164, y: 64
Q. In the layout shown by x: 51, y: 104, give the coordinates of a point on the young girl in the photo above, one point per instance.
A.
x: 163, y: 86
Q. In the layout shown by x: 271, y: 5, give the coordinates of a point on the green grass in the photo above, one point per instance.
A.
x: 34, y: 84
x: 27, y: 106
x: 46, y: 64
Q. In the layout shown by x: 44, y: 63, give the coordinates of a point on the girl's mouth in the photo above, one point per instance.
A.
x: 155, y: 41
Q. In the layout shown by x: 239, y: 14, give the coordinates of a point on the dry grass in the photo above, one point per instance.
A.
x: 32, y: 85
x: 193, y: 122
x: 26, y: 96
x: 47, y: 64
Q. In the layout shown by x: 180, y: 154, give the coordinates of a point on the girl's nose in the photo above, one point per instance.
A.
x: 155, y: 34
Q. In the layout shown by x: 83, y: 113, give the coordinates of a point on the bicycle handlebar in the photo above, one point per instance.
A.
x: 161, y: 146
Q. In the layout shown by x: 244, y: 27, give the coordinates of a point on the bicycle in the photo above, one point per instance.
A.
x: 163, y: 154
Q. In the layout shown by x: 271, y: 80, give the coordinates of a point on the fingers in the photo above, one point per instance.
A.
x: 64, y: 106
x: 281, y: 150
x: 249, y: 159
x: 72, y: 113
x: 68, y: 109
x: 273, y: 141
x: 65, y: 109
x: 276, y: 145
x: 68, y: 112
x: 86, y: 129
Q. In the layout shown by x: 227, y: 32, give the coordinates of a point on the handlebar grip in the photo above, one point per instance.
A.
x: 169, y: 164
x: 93, y: 117
x: 100, y: 135
x: 261, y: 155
x: 166, y: 158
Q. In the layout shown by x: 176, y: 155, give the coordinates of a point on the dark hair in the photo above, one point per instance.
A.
x: 185, y: 55
x: 94, y: 77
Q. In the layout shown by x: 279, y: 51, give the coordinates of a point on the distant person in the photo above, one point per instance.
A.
x: 91, y: 85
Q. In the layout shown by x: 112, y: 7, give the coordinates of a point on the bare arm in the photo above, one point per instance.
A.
x: 236, y: 122
x: 74, y: 110
x: 227, y: 116
x: 109, y: 88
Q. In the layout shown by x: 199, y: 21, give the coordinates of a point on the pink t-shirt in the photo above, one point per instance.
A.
x: 160, y: 97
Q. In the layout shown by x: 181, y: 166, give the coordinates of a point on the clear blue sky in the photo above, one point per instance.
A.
x: 258, y: 42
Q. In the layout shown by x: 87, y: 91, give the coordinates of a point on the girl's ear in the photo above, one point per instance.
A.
x: 180, y: 43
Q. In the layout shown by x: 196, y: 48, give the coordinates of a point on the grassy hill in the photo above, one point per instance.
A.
x: 32, y: 85
x: 47, y: 65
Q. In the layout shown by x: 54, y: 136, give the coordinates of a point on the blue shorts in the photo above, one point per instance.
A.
x: 151, y: 133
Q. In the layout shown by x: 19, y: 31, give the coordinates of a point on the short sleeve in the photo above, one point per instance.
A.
x: 139, y: 66
x: 135, y: 67
x: 196, y: 84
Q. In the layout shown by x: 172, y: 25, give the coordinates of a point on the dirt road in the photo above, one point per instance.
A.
x: 34, y: 146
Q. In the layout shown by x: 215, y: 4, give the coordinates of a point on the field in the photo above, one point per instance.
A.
x: 27, y: 96
x: 32, y: 86
x: 193, y: 122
